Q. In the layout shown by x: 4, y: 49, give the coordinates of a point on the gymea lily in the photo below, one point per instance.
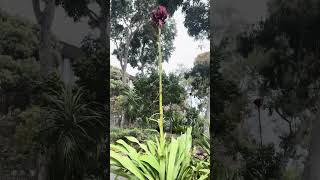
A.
x: 155, y: 160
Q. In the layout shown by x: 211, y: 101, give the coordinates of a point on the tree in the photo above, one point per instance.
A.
x: 199, y: 75
x: 142, y: 52
x: 197, y: 18
x: 288, y: 37
x: 223, y: 92
x: 49, y: 57
x: 196, y: 15
x: 146, y: 89
x: 18, y: 82
x: 19, y: 69
x: 18, y: 37
x: 132, y: 105
x: 18, y: 66
x: 133, y: 33
x: 93, y: 68
x: 78, y: 9
x: 200, y: 80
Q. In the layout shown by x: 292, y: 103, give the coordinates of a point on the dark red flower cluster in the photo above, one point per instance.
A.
x: 159, y: 15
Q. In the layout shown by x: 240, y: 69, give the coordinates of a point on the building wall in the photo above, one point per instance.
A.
x: 66, y: 71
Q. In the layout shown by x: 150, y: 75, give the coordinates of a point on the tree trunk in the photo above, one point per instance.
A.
x: 45, y: 19
x: 47, y: 59
x: 123, y: 119
x: 124, y: 80
x: 104, y: 24
x: 124, y: 72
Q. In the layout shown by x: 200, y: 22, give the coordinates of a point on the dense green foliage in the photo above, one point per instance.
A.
x: 18, y: 66
x: 93, y: 68
x: 26, y: 134
x: 261, y: 163
x: 141, y: 134
x: 224, y: 92
x: 196, y: 15
x: 276, y: 59
x: 146, y: 88
x: 145, y: 164
x: 143, y: 51
x: 18, y: 38
x: 71, y: 129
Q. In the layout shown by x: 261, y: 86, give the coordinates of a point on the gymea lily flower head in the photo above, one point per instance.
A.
x: 159, y: 15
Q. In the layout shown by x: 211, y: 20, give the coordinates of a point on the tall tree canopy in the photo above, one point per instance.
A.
x: 146, y: 88
x: 143, y: 52
x: 96, y: 10
x: 196, y: 15
x: 288, y: 39
x: 18, y: 62
x: 134, y: 35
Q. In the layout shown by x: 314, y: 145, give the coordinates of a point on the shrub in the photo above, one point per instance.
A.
x: 291, y: 174
x: 173, y: 161
x: 28, y: 128
x: 262, y: 163
x: 141, y: 134
x: 223, y: 173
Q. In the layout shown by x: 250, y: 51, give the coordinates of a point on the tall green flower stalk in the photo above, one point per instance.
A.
x: 161, y: 150
x: 160, y: 85
x: 159, y: 16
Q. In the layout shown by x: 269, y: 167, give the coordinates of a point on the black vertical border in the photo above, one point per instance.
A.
x: 107, y: 136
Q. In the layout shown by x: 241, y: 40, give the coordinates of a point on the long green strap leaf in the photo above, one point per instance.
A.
x: 172, y: 159
x: 127, y: 164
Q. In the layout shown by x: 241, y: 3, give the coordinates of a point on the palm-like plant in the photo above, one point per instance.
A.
x: 131, y: 104
x: 71, y: 128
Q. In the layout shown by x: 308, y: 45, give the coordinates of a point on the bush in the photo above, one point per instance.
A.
x: 262, y: 163
x: 171, y: 161
x: 180, y: 121
x: 28, y: 128
x: 141, y: 134
x: 291, y: 174
x: 223, y: 173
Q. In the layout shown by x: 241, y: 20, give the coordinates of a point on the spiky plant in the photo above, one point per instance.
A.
x: 71, y: 129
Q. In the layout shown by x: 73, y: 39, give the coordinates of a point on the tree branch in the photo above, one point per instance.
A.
x: 125, y: 22
x: 282, y: 115
x: 284, y: 118
x: 142, y: 50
